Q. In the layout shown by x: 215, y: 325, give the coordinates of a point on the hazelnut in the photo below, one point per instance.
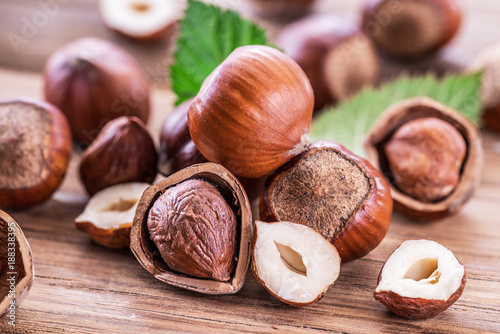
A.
x: 93, y: 81
x: 281, y: 9
x: 253, y: 112
x: 335, y: 55
x: 423, y: 159
x: 142, y: 20
x: 123, y: 152
x: 107, y: 217
x: 487, y: 60
x: 16, y: 266
x: 420, y: 279
x: 293, y: 262
x: 177, y: 150
x: 411, y: 29
x: 35, y: 147
x: 193, y: 230
x: 335, y: 192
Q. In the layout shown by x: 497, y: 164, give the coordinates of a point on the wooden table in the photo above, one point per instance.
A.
x: 84, y: 288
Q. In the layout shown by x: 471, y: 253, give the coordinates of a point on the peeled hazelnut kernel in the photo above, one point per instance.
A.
x: 142, y: 20
x: 93, y: 81
x: 17, y: 274
x: 35, y: 148
x: 253, y: 112
x: 487, y: 60
x: 425, y: 157
x: 335, y: 55
x: 420, y: 279
x: 108, y: 216
x: 123, y: 152
x: 335, y: 192
x: 193, y: 230
x: 411, y: 29
x: 281, y: 9
x: 293, y: 262
x: 420, y: 188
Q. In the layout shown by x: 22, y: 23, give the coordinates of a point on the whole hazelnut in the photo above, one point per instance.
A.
x: 193, y: 230
x: 431, y: 155
x: 340, y: 195
x: 425, y: 157
x: 281, y: 9
x: 253, y: 112
x: 16, y: 271
x: 35, y: 148
x: 411, y: 29
x: 335, y: 55
x: 93, y: 81
x: 123, y: 152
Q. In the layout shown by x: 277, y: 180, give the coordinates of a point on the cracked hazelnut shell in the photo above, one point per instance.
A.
x: 420, y: 279
x: 17, y: 271
x: 253, y: 112
x: 470, y: 171
x: 147, y: 252
x: 123, y: 152
x: 334, y: 53
x: 340, y: 195
x: 411, y: 29
x: 93, y: 81
x: 35, y: 148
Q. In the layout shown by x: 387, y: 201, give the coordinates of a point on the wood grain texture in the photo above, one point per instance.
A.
x: 81, y: 287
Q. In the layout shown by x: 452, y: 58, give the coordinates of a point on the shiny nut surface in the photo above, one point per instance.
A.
x: 253, y: 112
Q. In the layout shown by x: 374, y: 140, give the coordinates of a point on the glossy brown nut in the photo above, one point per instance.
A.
x: 411, y: 29
x: 337, y: 193
x: 17, y: 271
x: 281, y: 9
x: 470, y: 171
x: 177, y: 150
x: 336, y: 56
x: 148, y: 254
x: 253, y: 112
x: 123, y: 152
x: 94, y: 81
x: 35, y: 148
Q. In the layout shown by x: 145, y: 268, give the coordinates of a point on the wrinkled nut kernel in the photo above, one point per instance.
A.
x: 425, y: 157
x: 195, y: 230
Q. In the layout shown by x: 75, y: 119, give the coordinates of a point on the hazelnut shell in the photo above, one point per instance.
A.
x: 47, y: 173
x: 419, y: 107
x: 253, y: 112
x: 24, y: 266
x: 147, y: 253
x: 367, y: 225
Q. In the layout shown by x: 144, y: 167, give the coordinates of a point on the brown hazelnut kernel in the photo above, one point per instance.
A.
x: 195, y: 230
x: 425, y: 157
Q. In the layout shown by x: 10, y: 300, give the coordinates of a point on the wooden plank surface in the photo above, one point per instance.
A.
x: 81, y: 287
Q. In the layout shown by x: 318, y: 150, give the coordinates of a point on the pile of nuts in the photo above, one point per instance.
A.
x: 246, y: 133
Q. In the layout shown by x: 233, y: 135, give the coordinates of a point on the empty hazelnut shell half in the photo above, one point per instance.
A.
x: 192, y: 230
x: 335, y: 192
x: 381, y: 133
x: 35, y: 148
x: 16, y: 266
